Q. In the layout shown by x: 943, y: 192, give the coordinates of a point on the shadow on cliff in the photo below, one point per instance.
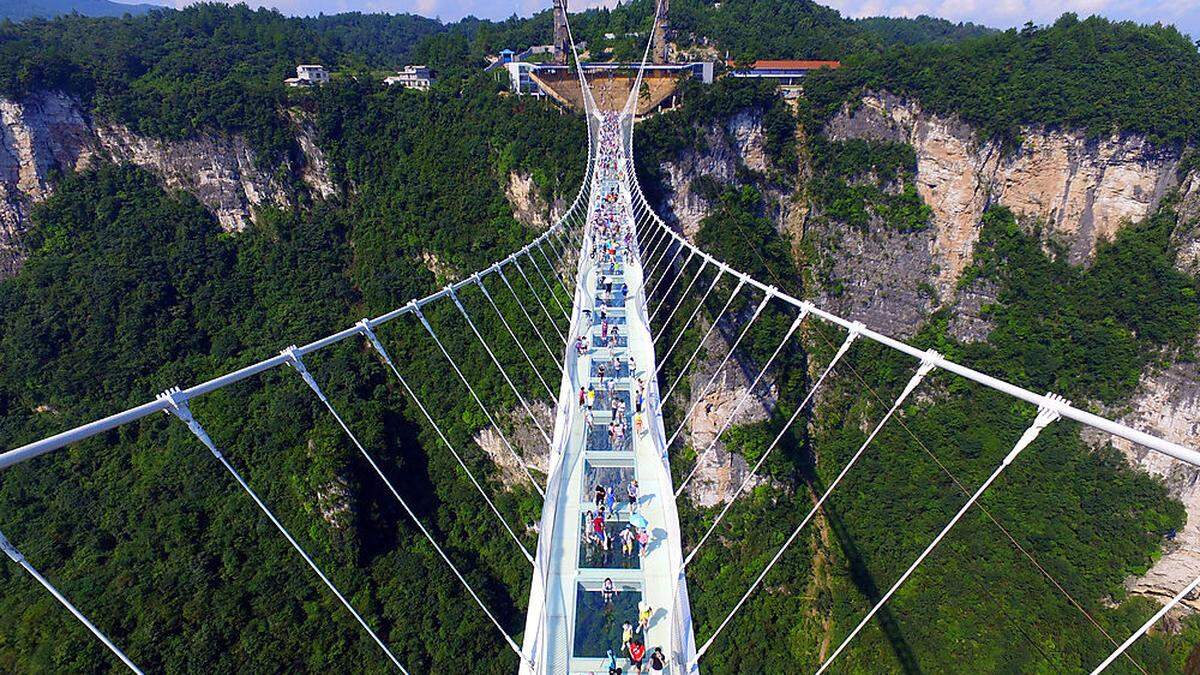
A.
x: 865, y: 581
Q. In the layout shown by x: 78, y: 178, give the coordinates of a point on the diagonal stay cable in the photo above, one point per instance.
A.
x: 532, y: 323
x: 1178, y: 598
x: 678, y: 273
x: 688, y: 324
x: 177, y: 405
x: 662, y: 303
x: 850, y: 337
x: 296, y: 362
x: 711, y: 328
x: 537, y: 267
x: 741, y: 400
x: 962, y: 488
x: 704, y: 391
x: 19, y: 558
x: 525, y: 404
x: 364, y: 327
x: 478, y: 401
x: 1045, y: 417
x: 516, y: 340
x: 670, y: 266
x: 537, y: 298
x: 926, y: 366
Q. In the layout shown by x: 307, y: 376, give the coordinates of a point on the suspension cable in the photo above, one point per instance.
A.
x: 491, y: 420
x: 674, y: 279
x: 19, y: 558
x: 536, y: 330
x: 741, y: 400
x: 516, y: 340
x: 297, y: 363
x: 711, y: 328
x: 525, y: 404
x: 1179, y: 597
x: 364, y: 327
x: 1044, y: 418
x: 704, y: 391
x: 671, y: 314
x: 538, y: 299
x: 695, y: 312
x: 926, y: 366
x: 670, y: 266
x: 177, y: 405
x: 546, y: 282
x: 850, y: 337
x: 966, y: 493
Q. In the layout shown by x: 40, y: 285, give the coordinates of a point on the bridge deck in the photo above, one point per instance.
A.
x: 580, y: 624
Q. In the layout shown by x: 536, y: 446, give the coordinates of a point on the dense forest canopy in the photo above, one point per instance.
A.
x: 1094, y: 74
x: 130, y: 288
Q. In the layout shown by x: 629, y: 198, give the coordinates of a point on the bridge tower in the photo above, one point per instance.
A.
x: 662, y: 33
x: 562, y: 39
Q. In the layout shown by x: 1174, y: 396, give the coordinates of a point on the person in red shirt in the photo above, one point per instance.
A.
x: 637, y: 652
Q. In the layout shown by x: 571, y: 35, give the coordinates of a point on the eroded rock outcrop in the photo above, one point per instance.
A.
x: 526, y: 439
x: 49, y: 131
x: 721, y: 472
x: 737, y: 144
x: 1081, y: 189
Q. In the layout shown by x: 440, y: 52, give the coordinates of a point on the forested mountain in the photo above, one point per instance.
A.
x: 19, y: 10
x: 131, y: 286
x: 922, y: 29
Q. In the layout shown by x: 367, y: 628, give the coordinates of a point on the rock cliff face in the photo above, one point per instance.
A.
x: 1074, y: 190
x: 737, y: 144
x: 49, y: 131
x: 1080, y: 189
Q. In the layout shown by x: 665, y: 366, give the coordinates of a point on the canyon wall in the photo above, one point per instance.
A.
x: 50, y: 131
x: 1074, y: 190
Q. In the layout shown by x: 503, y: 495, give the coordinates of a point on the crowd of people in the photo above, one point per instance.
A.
x: 613, y: 392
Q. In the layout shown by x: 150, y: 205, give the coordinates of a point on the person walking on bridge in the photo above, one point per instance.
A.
x: 637, y: 653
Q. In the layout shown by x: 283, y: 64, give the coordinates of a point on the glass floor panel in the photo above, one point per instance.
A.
x: 622, y: 341
x: 597, y: 473
x: 622, y: 368
x: 592, y: 554
x: 598, y: 440
x: 598, y: 623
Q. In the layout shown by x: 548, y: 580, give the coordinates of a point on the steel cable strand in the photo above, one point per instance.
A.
x: 687, y: 289
x: 711, y: 328
x: 741, y: 400
x: 545, y: 282
x: 177, y: 405
x: 536, y: 330
x: 19, y: 558
x: 1045, y: 417
x: 924, y: 369
x: 688, y: 324
x: 368, y: 333
x: 525, y: 404
x: 671, y: 286
x: 538, y: 299
x: 298, y: 364
x: 704, y: 391
x: 487, y: 413
x: 516, y: 340
x: 850, y: 337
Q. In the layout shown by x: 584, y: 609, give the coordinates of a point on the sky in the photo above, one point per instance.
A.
x: 1185, y: 14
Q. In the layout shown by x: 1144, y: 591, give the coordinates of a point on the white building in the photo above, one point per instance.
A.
x: 308, y: 75
x: 519, y: 80
x: 412, y: 77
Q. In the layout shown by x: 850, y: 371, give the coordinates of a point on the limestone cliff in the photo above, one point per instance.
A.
x: 1073, y: 189
x: 1079, y: 190
x: 50, y: 131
